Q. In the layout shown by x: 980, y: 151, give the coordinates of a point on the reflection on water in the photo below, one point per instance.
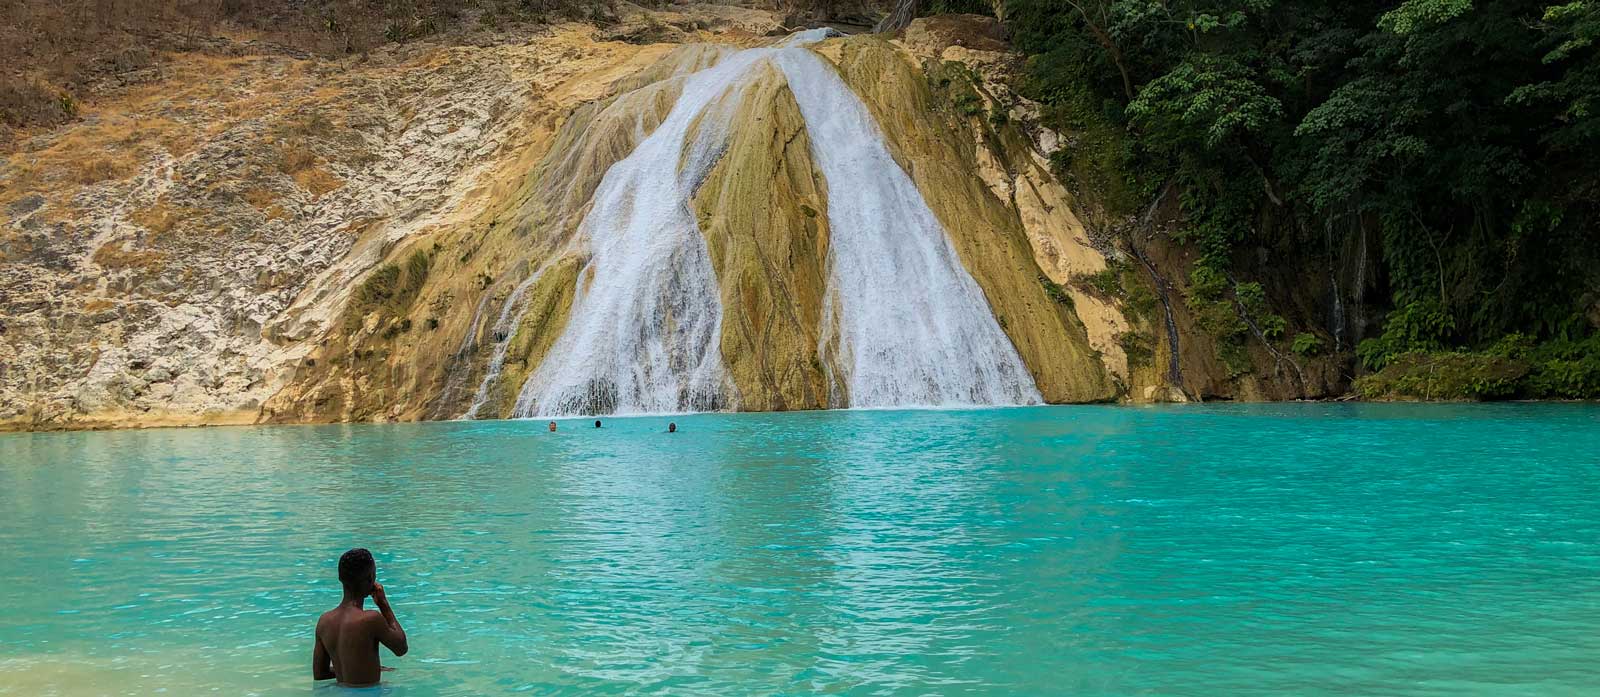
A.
x: 1101, y: 551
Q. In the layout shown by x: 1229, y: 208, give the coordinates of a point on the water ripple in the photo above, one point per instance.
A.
x: 1285, y: 549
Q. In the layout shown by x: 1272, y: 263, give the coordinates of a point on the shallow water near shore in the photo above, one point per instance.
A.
x: 1200, y: 550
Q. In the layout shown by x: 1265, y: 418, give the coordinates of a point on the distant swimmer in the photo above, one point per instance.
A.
x: 348, y: 636
x: 672, y: 427
x: 552, y: 427
x: 597, y: 423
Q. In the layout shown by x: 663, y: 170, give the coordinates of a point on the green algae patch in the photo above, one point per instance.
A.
x: 1444, y: 376
x: 762, y: 211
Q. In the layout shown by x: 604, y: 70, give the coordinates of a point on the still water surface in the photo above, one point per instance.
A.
x: 1205, y: 550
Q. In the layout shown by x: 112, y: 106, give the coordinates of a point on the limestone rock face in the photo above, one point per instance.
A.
x: 292, y: 239
x: 183, y: 253
x: 762, y: 211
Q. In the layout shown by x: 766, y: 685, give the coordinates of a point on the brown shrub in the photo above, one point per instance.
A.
x: 310, y: 123
x: 260, y: 198
x: 158, y: 219
x: 295, y: 157
x: 317, y: 180
x: 30, y: 102
x: 266, y: 201
x: 101, y: 168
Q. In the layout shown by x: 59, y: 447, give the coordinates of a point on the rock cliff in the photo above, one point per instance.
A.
x: 284, y: 238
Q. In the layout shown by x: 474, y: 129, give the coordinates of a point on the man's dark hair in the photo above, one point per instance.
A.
x: 356, y: 567
x: 597, y: 423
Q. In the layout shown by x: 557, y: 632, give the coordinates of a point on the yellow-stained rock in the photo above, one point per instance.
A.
x: 523, y: 216
x: 763, y: 212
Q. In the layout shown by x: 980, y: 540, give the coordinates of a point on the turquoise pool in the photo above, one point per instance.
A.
x: 1206, y: 550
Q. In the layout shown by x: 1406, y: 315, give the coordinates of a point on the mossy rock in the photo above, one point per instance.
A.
x: 390, y: 291
x: 1446, y: 377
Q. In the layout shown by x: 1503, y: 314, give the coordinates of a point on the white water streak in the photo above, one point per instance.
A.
x: 504, y: 330
x: 646, y: 323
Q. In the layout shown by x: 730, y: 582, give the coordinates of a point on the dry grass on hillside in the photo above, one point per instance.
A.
x: 116, y: 255
x: 57, y: 53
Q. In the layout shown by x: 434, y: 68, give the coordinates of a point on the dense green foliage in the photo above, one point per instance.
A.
x: 1456, y: 136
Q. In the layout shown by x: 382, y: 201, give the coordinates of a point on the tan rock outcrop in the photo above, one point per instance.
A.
x: 763, y: 213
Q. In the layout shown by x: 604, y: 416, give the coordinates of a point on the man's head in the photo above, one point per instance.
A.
x: 597, y: 423
x: 672, y: 427
x: 358, y: 572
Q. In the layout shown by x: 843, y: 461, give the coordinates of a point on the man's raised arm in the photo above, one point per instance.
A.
x: 391, y: 634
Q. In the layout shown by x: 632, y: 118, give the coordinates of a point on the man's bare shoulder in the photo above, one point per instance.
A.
x: 344, y: 617
x: 372, y: 619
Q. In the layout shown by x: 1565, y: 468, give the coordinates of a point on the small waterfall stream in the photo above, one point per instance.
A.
x: 907, y: 324
x: 504, y: 328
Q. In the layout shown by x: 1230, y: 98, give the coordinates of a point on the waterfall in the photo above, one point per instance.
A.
x: 912, y: 327
x: 905, y: 322
x: 504, y: 328
x: 1337, y: 321
x: 1358, y: 291
x: 646, y: 323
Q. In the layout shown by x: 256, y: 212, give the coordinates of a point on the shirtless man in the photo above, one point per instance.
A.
x: 348, y: 635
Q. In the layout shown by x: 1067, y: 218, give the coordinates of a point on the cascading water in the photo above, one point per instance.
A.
x: 646, y: 320
x: 913, y: 328
x: 905, y: 323
x: 504, y: 326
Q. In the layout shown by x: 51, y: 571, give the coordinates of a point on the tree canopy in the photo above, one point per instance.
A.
x: 1459, y: 134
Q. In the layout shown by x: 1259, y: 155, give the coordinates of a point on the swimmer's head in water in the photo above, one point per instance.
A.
x: 672, y: 427
x: 552, y: 426
x: 357, y: 571
x: 597, y: 423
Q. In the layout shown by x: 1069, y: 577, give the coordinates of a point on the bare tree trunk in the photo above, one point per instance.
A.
x: 1164, y: 292
x: 1102, y: 37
